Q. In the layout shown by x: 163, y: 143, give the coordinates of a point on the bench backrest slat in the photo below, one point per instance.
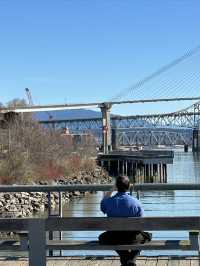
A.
x: 117, y: 224
x: 104, y: 223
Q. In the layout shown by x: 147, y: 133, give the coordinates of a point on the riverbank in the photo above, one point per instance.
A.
x: 30, y: 204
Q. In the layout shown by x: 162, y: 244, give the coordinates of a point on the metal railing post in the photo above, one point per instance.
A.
x: 199, y: 248
x: 131, y: 190
x: 138, y: 194
x: 49, y: 204
x: 37, y: 243
x: 49, y: 215
x: 60, y: 215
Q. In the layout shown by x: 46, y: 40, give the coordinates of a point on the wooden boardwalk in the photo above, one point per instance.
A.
x: 147, y: 261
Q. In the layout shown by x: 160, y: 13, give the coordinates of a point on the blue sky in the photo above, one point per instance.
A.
x: 89, y: 50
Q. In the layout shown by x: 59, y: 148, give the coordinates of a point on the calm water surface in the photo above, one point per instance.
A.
x: 185, y: 169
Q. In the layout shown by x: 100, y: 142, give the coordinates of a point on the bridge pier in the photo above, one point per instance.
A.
x: 106, y: 127
x: 186, y: 148
x: 196, y: 140
x: 138, y: 172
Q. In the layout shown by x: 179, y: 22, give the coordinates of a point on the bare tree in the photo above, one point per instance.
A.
x: 31, y: 152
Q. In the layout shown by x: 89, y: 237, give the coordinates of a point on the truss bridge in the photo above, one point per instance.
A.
x: 168, y: 129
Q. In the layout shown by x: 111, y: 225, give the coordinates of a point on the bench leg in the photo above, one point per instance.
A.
x: 199, y: 249
x: 37, y: 243
x: 195, y: 242
x: 198, y: 246
x: 24, y: 243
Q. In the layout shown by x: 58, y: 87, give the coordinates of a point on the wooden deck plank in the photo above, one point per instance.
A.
x: 173, y: 262
x: 10, y: 263
x: 151, y: 262
x: 24, y: 263
x: 51, y: 263
x: 195, y: 262
x: 92, y: 263
x: 185, y: 262
x: 162, y: 261
x: 75, y: 262
x: 142, y: 261
x: 58, y: 262
x: 115, y: 262
x: 107, y: 263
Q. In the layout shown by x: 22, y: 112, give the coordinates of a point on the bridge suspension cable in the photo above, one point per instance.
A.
x: 165, y: 85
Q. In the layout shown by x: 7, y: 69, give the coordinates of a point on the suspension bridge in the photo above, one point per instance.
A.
x: 173, y: 128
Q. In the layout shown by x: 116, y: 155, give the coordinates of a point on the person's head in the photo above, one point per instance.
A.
x: 122, y: 183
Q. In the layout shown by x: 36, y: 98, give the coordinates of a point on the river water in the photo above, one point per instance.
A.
x: 185, y: 169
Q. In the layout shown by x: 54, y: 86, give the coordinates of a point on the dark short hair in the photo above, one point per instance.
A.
x: 122, y: 183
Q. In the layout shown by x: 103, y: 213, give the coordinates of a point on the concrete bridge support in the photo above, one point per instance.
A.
x: 115, y: 138
x: 106, y: 127
x: 196, y: 140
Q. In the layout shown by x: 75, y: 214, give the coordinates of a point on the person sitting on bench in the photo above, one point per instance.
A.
x: 123, y: 205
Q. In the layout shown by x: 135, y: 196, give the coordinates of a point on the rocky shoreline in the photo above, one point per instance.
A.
x: 34, y: 203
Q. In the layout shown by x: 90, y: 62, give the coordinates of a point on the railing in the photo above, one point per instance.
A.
x: 137, y: 188
x: 95, y: 187
x: 32, y: 225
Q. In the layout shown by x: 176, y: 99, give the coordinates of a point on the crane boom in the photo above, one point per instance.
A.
x: 30, y: 101
x: 29, y: 96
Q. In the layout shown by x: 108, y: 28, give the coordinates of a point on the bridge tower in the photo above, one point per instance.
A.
x: 196, y: 129
x: 106, y: 127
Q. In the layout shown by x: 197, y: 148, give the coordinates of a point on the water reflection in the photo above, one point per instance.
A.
x: 186, y: 169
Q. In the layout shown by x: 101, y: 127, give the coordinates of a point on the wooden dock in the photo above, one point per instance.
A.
x: 76, y: 261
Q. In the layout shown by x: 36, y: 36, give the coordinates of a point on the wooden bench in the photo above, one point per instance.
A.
x: 38, y: 244
x: 190, y: 224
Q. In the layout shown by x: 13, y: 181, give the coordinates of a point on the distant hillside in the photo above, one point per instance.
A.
x: 78, y: 114
x: 67, y: 114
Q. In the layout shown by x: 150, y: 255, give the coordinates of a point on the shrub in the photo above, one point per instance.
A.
x: 31, y: 152
x: 88, y: 165
x: 49, y: 171
x: 73, y: 164
x: 14, y: 169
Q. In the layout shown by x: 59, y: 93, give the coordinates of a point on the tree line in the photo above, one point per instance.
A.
x: 32, y: 153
